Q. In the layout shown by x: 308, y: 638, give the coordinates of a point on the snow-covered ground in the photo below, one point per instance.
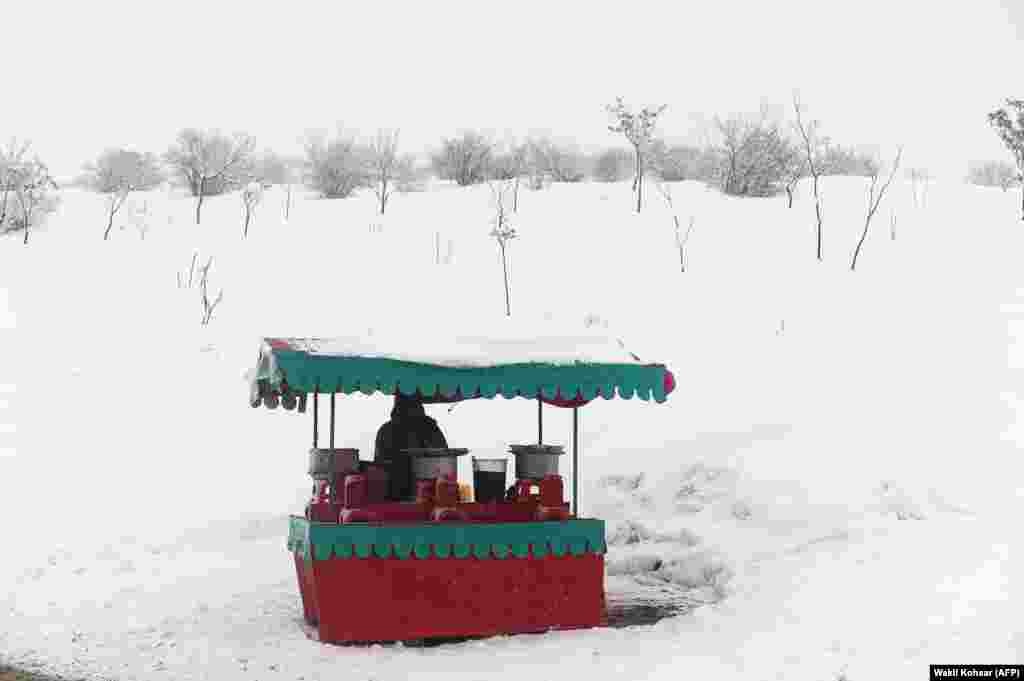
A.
x: 835, y: 483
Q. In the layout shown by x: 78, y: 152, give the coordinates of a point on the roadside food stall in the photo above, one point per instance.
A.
x: 510, y: 555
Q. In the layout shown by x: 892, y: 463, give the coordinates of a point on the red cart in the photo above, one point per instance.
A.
x: 437, y: 564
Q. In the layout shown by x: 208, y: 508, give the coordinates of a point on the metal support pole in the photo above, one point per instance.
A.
x: 540, y: 421
x: 575, y: 461
x: 332, y: 420
x: 316, y: 417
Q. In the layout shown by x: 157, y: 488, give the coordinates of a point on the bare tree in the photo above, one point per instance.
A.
x: 383, y: 161
x: 1009, y: 125
x: 502, y: 231
x: 119, y: 172
x: 874, y: 199
x: 812, y: 146
x: 31, y: 190
x: 211, y: 162
x: 638, y: 130
x: 251, y: 197
x: 682, y: 238
x: 12, y: 158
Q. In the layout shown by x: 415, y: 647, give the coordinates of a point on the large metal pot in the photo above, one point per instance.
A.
x: 533, y: 462
x: 327, y: 463
x: 429, y: 463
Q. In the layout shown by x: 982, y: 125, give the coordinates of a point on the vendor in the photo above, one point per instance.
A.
x: 409, y: 427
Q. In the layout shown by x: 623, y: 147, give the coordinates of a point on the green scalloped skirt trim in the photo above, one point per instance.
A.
x: 306, y: 373
x: 484, y: 541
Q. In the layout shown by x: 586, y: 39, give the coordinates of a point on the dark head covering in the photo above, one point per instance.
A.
x: 409, y: 427
x: 407, y: 407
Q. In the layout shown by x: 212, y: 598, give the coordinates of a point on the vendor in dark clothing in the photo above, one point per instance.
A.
x: 409, y: 427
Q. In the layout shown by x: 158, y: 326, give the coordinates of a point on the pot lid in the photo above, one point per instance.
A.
x: 434, y: 451
x: 536, y: 449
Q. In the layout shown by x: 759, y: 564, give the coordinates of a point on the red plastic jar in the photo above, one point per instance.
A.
x: 446, y: 493
x: 356, y: 491
x: 552, y: 491
x: 425, y: 491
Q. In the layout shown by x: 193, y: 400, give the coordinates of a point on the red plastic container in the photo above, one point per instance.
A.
x: 356, y: 491
x: 552, y: 490
x: 320, y: 509
x: 378, y: 478
x: 425, y: 491
x: 446, y: 493
x: 527, y: 490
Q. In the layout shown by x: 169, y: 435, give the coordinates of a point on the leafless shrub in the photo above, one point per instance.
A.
x: 12, y: 158
x: 993, y: 174
x: 561, y: 162
x: 875, y: 196
x: 536, y: 167
x: 465, y: 159
x: 336, y: 167
x: 212, y: 163
x: 28, y: 193
x: 612, y: 165
x: 681, y: 162
x: 835, y: 159
x: 754, y: 156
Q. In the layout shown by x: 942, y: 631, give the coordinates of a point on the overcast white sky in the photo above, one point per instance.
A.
x: 90, y: 75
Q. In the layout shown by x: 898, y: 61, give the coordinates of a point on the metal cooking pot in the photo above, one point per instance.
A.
x: 429, y: 463
x: 325, y: 463
x: 533, y: 462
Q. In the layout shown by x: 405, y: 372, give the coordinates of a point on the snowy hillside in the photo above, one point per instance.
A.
x: 832, y: 491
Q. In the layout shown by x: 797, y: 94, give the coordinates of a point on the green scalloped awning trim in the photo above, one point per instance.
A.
x: 297, y: 536
x: 306, y: 373
x: 484, y: 541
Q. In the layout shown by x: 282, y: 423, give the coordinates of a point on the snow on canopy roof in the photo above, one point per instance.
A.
x: 458, y: 359
x: 440, y: 349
